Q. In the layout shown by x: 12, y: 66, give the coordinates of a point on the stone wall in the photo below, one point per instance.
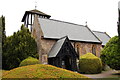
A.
x: 37, y: 34
x: 83, y: 48
x: 45, y: 45
x: 80, y: 47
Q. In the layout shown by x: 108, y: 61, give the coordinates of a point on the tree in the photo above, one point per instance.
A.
x: 118, y: 29
x: 1, y: 32
x: 18, y: 47
x: 2, y: 36
x: 118, y: 24
x: 3, y: 29
x: 111, y: 53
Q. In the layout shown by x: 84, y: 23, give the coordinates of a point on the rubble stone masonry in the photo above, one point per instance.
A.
x: 45, y: 45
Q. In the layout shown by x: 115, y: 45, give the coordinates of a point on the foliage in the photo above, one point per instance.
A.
x: 29, y: 61
x: 118, y: 25
x: 2, y: 25
x: 2, y: 36
x: 1, y: 31
x: 17, y: 48
x: 90, y: 64
x: 41, y: 71
x: 111, y: 53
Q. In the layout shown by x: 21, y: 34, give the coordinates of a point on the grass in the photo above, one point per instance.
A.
x: 41, y: 71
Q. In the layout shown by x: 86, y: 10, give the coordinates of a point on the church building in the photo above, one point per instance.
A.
x: 61, y: 43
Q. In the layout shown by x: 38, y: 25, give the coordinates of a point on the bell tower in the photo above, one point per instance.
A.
x: 29, y: 17
x: 30, y: 20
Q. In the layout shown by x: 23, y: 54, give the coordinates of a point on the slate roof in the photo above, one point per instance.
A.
x: 56, y: 47
x: 35, y: 12
x: 55, y: 29
x: 103, y: 36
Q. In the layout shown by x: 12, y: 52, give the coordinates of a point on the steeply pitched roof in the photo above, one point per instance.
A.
x: 103, y: 36
x: 56, y: 48
x: 38, y: 12
x: 55, y: 29
x: 35, y: 12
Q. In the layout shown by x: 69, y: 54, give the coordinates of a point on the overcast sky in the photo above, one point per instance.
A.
x: 101, y: 15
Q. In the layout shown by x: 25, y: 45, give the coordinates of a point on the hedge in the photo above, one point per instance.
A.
x: 29, y: 61
x: 90, y: 64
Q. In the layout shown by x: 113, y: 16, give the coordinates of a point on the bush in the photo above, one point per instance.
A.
x: 110, y: 54
x: 90, y: 64
x: 29, y: 61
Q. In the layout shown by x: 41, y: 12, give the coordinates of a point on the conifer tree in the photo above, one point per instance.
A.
x: 18, y: 47
x: 2, y: 37
x: 3, y: 29
x: 118, y: 23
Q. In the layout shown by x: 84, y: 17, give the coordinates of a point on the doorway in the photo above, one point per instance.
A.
x: 67, y: 63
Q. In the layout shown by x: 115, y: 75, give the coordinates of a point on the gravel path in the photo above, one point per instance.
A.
x: 105, y: 74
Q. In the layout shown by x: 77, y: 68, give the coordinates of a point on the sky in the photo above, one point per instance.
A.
x: 100, y: 15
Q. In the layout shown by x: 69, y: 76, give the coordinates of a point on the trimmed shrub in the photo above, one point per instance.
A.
x: 90, y: 64
x: 29, y: 61
x: 111, y: 53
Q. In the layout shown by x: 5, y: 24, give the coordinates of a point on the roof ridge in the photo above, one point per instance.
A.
x: 99, y: 31
x: 59, y: 47
x: 35, y: 10
x: 107, y: 34
x: 74, y: 35
x: 102, y: 32
x: 94, y: 34
x: 65, y: 22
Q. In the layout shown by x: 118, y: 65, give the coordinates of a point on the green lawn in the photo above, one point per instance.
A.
x: 42, y: 71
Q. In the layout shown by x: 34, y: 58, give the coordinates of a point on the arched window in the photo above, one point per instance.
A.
x: 94, y: 49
